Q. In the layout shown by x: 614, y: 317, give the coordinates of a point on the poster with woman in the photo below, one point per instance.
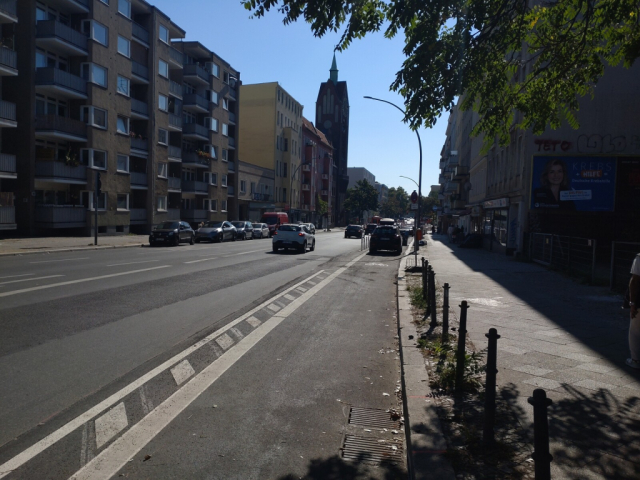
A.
x: 573, y: 183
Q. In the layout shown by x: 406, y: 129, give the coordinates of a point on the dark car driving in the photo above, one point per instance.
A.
x: 353, y: 231
x: 216, y: 232
x: 244, y: 230
x: 386, y: 237
x: 368, y: 230
x: 172, y: 233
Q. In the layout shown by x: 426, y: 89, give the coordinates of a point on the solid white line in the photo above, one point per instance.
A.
x: 30, y: 279
x: 131, y: 263
x: 243, y: 253
x: 71, y: 282
x: 77, y: 422
x: 62, y: 260
x: 202, y: 260
x: 114, y: 457
x: 14, y: 276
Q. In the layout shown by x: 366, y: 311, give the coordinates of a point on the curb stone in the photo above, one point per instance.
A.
x: 426, y: 444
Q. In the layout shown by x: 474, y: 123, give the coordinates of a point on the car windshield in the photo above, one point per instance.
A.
x: 353, y: 227
x: 213, y: 225
x: 238, y: 224
x: 289, y: 228
x: 385, y: 231
x: 257, y: 225
x: 270, y: 220
x: 167, y: 225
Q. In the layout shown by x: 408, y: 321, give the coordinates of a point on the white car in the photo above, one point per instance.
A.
x: 297, y: 237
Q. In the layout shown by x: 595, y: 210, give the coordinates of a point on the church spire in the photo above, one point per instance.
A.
x: 334, y: 71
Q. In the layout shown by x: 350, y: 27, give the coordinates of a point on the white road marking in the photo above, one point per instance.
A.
x: 243, y: 253
x: 147, y: 406
x: 42, y: 445
x: 253, y: 321
x: 237, y: 333
x: 301, y: 289
x: 71, y: 282
x: 202, y: 260
x: 110, y: 424
x: 131, y: 263
x: 182, y: 371
x: 273, y: 307
x: 88, y: 440
x: 311, y: 283
x: 289, y: 297
x: 62, y: 260
x: 30, y: 279
x: 14, y: 276
x: 225, y: 341
x: 113, y: 458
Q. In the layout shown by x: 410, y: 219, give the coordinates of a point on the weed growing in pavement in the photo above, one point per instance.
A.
x: 415, y: 295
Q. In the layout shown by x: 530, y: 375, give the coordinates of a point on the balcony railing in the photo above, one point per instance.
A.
x: 140, y: 144
x: 194, y: 215
x: 59, y: 215
x: 57, y: 77
x: 7, y: 110
x: 192, y: 70
x: 139, y: 107
x: 53, y: 28
x: 193, y: 99
x: 7, y: 163
x: 175, y: 121
x: 232, y: 117
x: 8, y: 58
x: 232, y: 167
x: 325, y: 176
x: 192, y: 158
x: 53, y: 169
x: 232, y: 142
x: 231, y: 191
x: 176, y: 56
x: 173, y: 214
x: 195, y: 186
x: 175, y: 152
x: 137, y: 214
x: 9, y: 6
x: 7, y: 215
x: 195, y: 129
x: 139, y: 32
x: 233, y: 94
x: 306, y: 168
x: 306, y: 186
x: 138, y: 178
x: 174, y: 183
x: 54, y: 123
x: 262, y: 197
x: 324, y: 192
x: 140, y: 70
x: 175, y: 88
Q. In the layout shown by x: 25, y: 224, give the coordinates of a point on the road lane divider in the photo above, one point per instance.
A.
x: 62, y: 260
x: 82, y: 280
x: 15, y: 276
x: 131, y: 263
x: 30, y: 279
x: 202, y: 260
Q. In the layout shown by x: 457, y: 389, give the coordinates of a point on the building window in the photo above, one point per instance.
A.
x: 94, y: 158
x: 225, y: 155
x: 163, y: 103
x: 284, y: 170
x: 213, y: 96
x: 123, y: 163
x: 123, y: 202
x: 163, y: 68
x: 211, y: 205
x: 286, y: 144
x: 224, y: 205
x: 164, y: 34
x: 161, y: 204
x: 224, y: 180
x: 225, y: 77
x: 102, y: 201
x: 96, y: 117
x: 163, y: 136
x: 124, y: 46
x: 124, y: 7
x: 225, y: 104
x: 162, y: 170
x: 94, y: 73
x: 211, y: 123
x: 225, y: 129
x: 124, y: 85
x: 96, y: 31
x: 214, y: 179
x: 284, y: 194
x: 243, y: 186
x: 215, y: 70
x: 123, y: 125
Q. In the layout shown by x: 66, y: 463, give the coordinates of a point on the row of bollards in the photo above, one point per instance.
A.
x: 364, y: 242
x: 539, y: 400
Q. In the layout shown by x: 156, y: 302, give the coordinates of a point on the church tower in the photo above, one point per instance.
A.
x: 332, y: 119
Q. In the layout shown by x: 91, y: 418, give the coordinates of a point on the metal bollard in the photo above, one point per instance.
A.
x: 424, y: 278
x: 490, y: 388
x: 541, y: 454
x: 445, y: 314
x: 460, y: 353
x: 432, y: 299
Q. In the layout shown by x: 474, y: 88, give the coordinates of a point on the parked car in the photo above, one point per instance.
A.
x: 216, y: 232
x: 368, y: 230
x: 311, y: 227
x: 406, y: 232
x: 294, y: 236
x: 386, y: 237
x: 353, y: 231
x: 172, y: 233
x: 274, y: 220
x: 260, y: 230
x: 244, y: 230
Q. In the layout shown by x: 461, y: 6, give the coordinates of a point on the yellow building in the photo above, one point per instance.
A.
x: 270, y: 136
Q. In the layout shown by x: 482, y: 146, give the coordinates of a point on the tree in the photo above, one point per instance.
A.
x: 397, y: 203
x: 501, y: 56
x: 363, y: 197
x: 322, y: 207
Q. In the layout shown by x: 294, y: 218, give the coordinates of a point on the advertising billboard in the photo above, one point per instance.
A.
x: 585, y: 184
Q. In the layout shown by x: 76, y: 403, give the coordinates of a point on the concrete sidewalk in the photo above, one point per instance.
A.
x: 567, y: 338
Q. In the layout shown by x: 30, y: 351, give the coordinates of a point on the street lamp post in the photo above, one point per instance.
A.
x: 415, y: 242
x: 415, y: 227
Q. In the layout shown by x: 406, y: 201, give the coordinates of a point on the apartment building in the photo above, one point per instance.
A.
x: 317, y: 174
x: 113, y: 98
x: 8, y: 118
x: 383, y: 192
x: 271, y: 138
x: 255, y: 185
x: 360, y: 173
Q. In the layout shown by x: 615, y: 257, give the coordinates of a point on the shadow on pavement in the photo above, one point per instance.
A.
x: 335, y: 468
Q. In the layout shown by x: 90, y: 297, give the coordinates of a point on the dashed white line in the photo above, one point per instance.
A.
x: 182, y: 371
x: 62, y: 260
x: 15, y: 276
x: 202, y: 260
x: 110, y: 424
x: 30, y: 279
x: 131, y: 263
x: 243, y: 253
x: 225, y: 341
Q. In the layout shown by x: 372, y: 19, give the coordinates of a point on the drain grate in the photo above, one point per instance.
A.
x: 372, y: 417
x: 368, y: 449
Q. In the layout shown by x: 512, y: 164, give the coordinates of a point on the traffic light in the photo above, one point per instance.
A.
x: 98, y: 184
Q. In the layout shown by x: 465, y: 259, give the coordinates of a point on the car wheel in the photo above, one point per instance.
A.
x: 372, y: 250
x: 313, y: 246
x: 234, y: 237
x: 275, y: 249
x: 304, y: 247
x: 197, y: 240
x: 176, y: 243
x: 191, y: 240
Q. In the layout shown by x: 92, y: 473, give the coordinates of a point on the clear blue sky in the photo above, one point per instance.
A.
x: 265, y: 50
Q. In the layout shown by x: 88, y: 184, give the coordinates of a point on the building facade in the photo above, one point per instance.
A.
x: 383, y: 192
x: 317, y: 175
x: 356, y: 174
x: 255, y: 192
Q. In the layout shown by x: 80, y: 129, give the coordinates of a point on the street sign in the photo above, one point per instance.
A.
x: 414, y: 199
x: 414, y: 206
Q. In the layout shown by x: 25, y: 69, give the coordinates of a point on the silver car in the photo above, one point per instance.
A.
x: 216, y: 232
x: 260, y: 230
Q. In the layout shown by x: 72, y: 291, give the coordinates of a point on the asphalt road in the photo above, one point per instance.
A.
x: 95, y: 348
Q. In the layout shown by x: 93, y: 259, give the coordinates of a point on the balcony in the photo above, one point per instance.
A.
x: 232, y: 118
x: 140, y: 33
x: 138, y: 180
x: 231, y: 166
x: 233, y: 94
x: 175, y: 89
x: 175, y: 154
x: 175, y: 58
x: 195, y: 73
x: 231, y: 191
x: 194, y: 186
x: 195, y: 103
x: 7, y: 114
x: 70, y: 6
x: 137, y: 216
x: 59, y: 172
x: 195, y: 131
x: 140, y: 73
x: 139, y: 109
x: 53, y: 127
x: 8, y: 62
x: 175, y: 122
x: 195, y: 160
x: 306, y: 187
x: 8, y: 166
x: 58, y: 37
x: 8, y: 11
x: 325, y: 176
x: 324, y: 193
x: 232, y: 142
x: 194, y: 215
x: 61, y: 216
x: 58, y: 82
x: 8, y: 218
x: 262, y: 197
x: 175, y: 184
x: 306, y: 167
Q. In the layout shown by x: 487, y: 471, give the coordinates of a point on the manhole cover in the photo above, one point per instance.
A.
x: 366, y: 449
x: 372, y: 417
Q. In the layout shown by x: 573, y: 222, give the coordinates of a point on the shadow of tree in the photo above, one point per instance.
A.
x: 336, y: 468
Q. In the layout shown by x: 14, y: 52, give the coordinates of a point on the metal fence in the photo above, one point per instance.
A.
x: 571, y: 254
x: 622, y: 255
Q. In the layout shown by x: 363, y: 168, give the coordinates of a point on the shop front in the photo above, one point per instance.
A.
x: 495, y: 224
